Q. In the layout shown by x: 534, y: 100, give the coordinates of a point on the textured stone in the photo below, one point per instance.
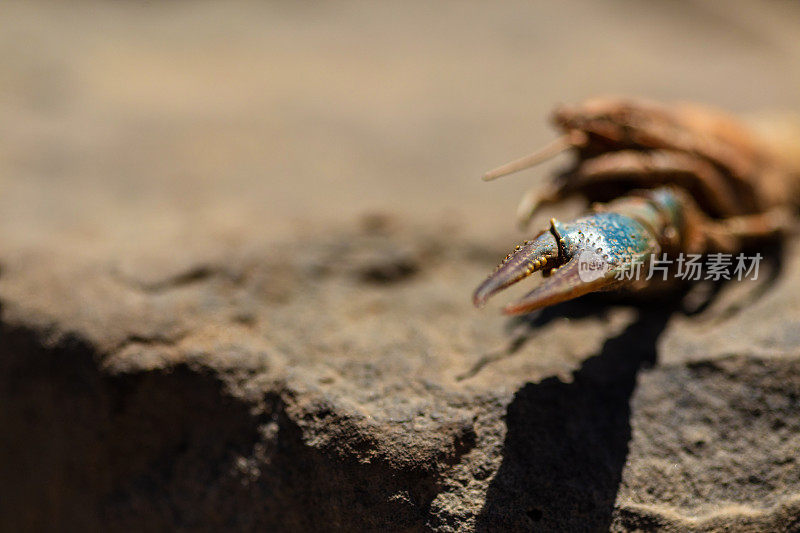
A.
x: 280, y: 387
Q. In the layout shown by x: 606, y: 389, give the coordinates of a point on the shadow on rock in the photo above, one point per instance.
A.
x: 567, y: 442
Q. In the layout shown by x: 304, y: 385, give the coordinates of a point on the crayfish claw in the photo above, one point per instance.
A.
x: 587, y: 255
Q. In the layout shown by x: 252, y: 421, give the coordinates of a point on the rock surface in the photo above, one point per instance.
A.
x: 187, y: 345
x: 341, y: 383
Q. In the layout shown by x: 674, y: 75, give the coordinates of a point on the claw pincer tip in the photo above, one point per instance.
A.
x: 526, y: 259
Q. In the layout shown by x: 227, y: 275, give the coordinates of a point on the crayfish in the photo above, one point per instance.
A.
x: 661, y: 180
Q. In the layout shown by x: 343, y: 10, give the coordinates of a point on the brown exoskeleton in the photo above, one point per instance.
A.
x: 663, y: 179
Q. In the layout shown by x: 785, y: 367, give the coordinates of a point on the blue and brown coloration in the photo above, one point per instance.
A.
x: 675, y: 179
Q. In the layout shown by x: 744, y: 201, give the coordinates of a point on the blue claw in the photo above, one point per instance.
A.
x: 584, y: 256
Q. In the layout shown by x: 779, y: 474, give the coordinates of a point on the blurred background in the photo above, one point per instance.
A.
x: 123, y: 121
